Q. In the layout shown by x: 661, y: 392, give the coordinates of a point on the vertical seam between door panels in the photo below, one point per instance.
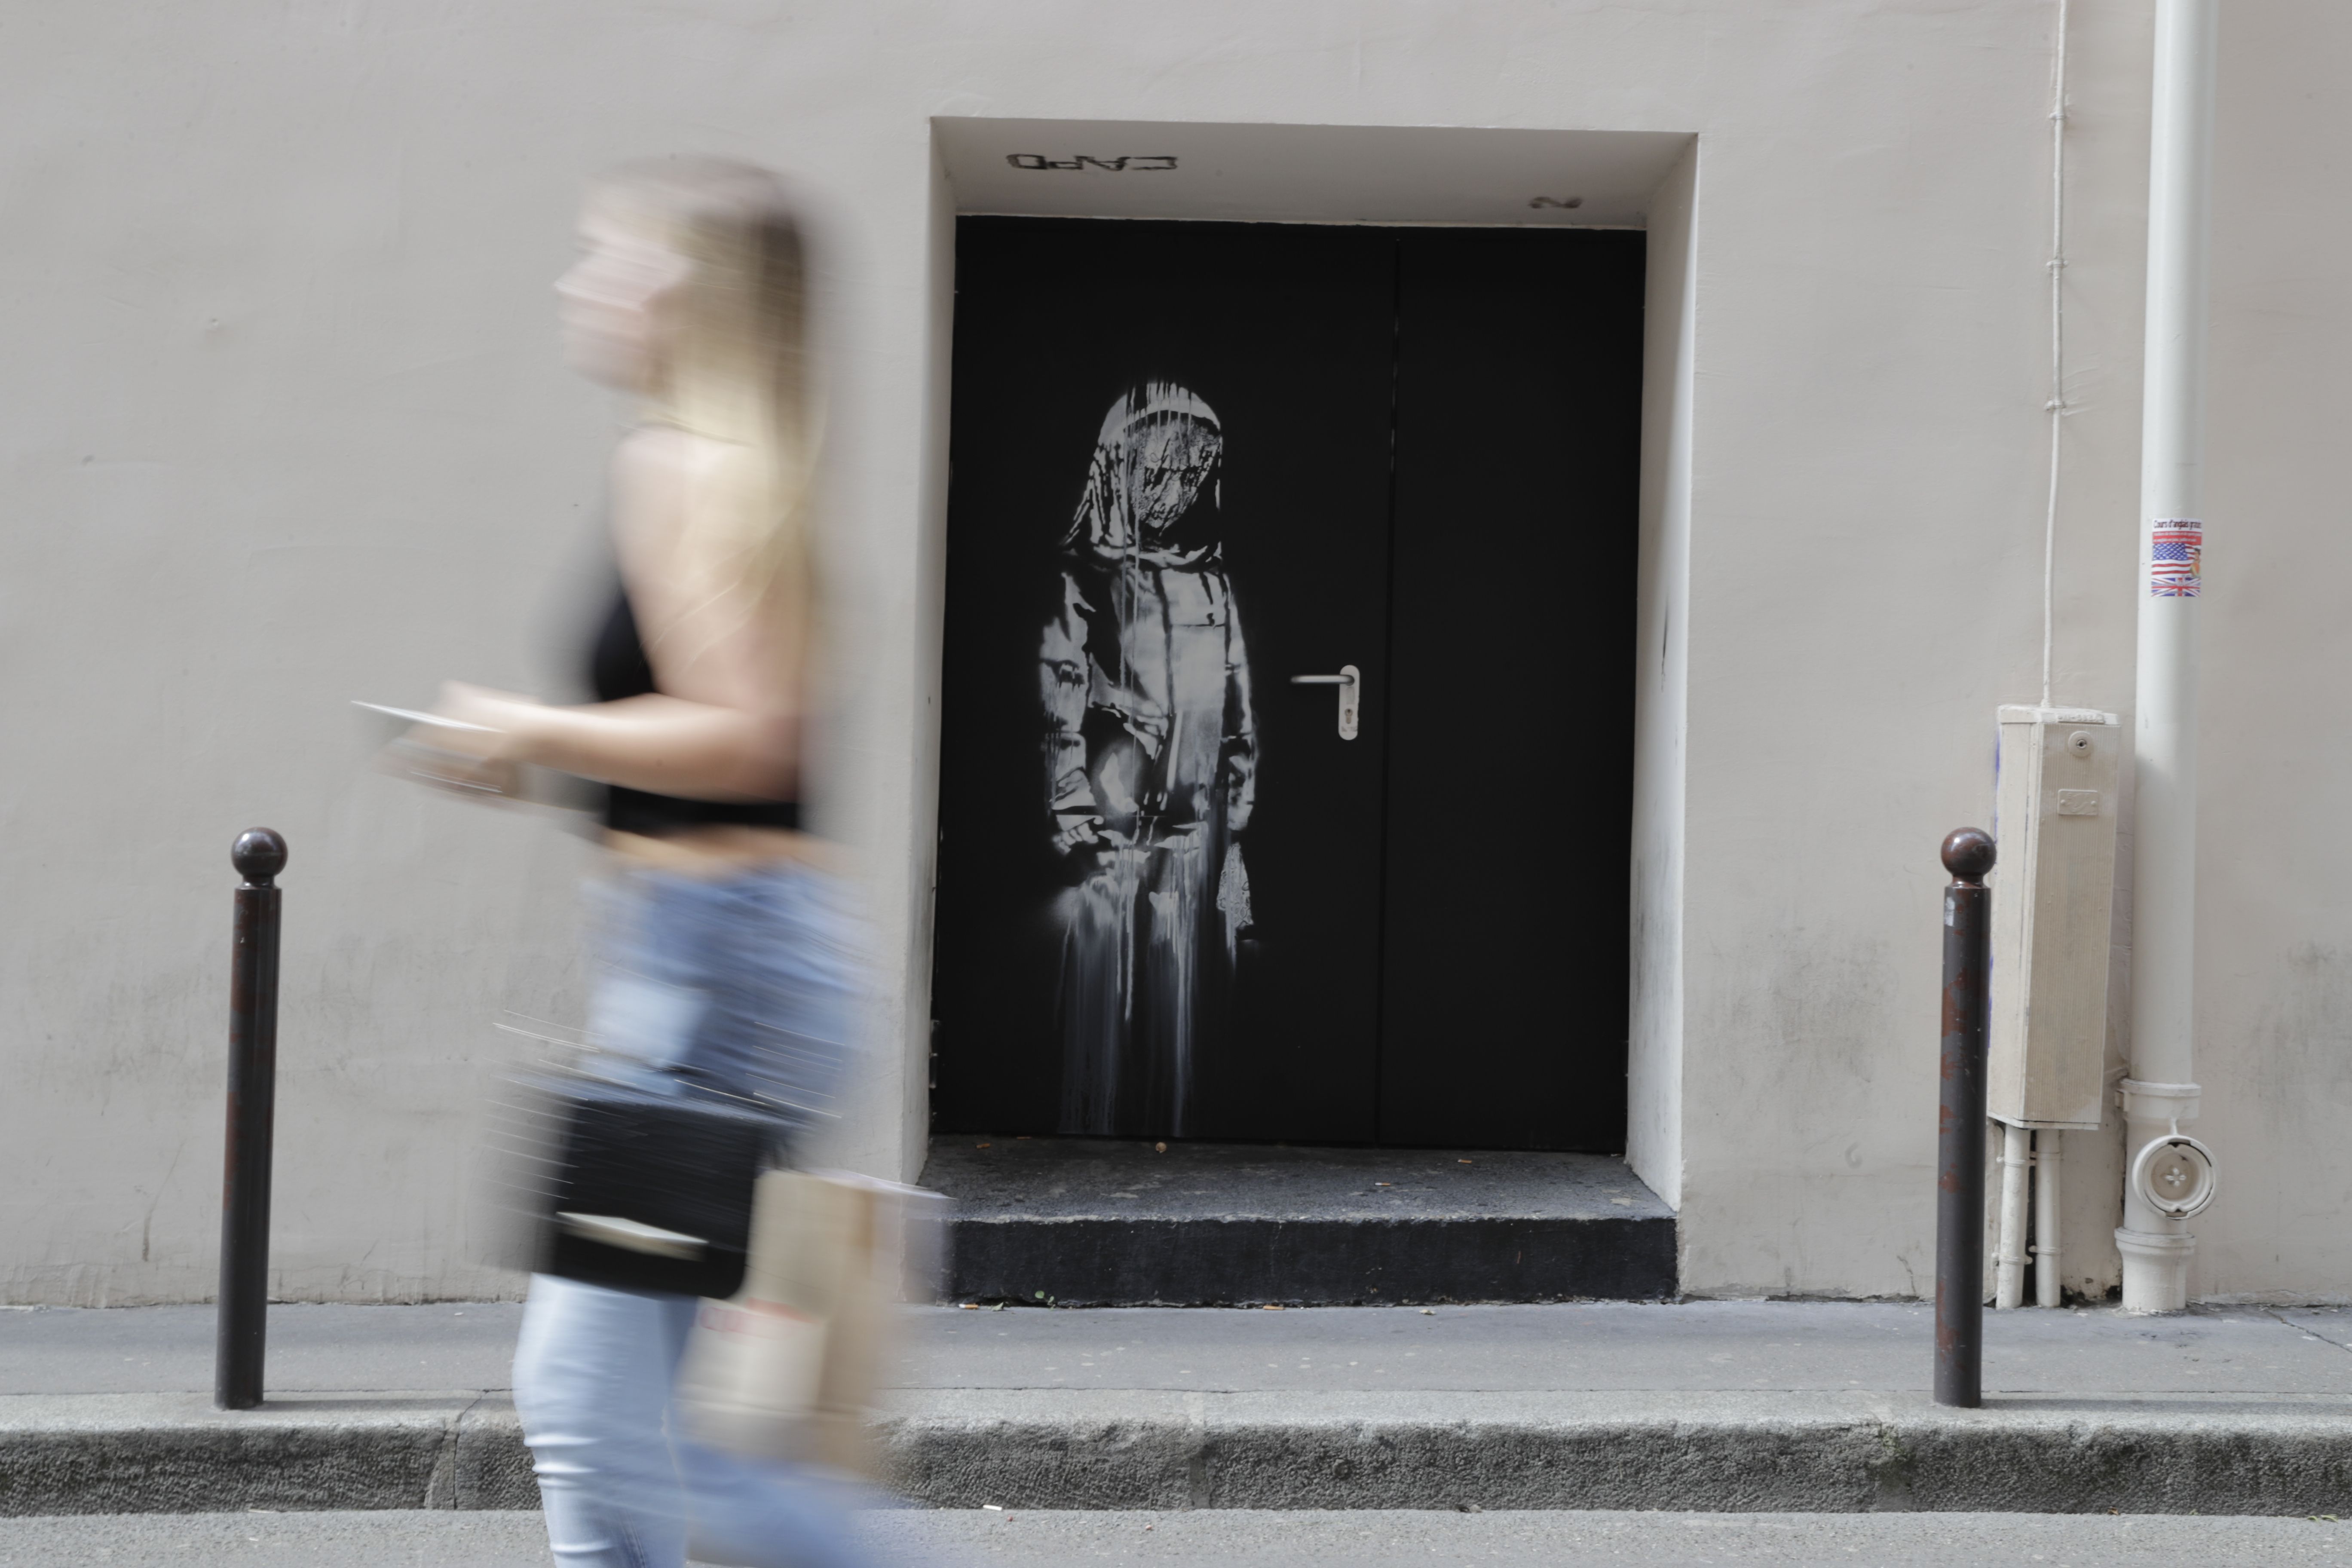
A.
x: 1388, y: 684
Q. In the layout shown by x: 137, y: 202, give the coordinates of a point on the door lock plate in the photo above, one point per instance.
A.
x: 1350, y: 684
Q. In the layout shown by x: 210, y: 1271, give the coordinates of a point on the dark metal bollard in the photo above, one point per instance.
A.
x: 1961, y: 1123
x: 259, y: 853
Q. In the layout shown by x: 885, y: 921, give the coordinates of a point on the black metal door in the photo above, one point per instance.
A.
x: 1159, y: 893
x: 1175, y: 895
x: 1511, y: 769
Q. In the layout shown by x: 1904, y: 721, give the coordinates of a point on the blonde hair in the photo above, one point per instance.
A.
x: 735, y: 369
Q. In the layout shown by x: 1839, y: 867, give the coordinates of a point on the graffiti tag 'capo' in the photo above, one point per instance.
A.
x: 1555, y: 202
x: 1116, y: 165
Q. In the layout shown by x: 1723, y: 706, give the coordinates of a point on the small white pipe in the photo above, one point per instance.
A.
x: 2057, y: 403
x: 2009, y: 1247
x: 2155, y: 1249
x: 2048, y: 1284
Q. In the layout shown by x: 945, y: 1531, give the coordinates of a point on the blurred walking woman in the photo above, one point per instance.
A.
x: 730, y: 958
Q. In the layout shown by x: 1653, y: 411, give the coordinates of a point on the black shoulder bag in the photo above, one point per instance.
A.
x: 643, y: 1191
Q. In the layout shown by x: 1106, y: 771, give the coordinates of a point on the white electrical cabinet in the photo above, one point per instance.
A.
x: 2053, y: 893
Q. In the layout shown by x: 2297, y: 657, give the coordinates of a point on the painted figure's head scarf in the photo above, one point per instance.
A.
x: 1160, y: 452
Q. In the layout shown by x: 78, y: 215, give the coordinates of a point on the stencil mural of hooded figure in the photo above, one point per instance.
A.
x: 1151, y: 758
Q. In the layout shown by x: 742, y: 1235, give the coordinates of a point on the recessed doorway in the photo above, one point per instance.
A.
x: 1287, y: 711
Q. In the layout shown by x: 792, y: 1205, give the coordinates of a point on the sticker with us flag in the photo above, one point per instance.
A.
x: 2175, y: 550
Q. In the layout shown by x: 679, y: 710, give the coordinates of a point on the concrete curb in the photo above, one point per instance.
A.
x: 173, y: 1453
x: 1168, y: 1451
x: 1772, y: 1452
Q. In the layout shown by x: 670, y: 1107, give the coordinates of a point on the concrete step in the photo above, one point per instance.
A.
x: 1102, y: 1222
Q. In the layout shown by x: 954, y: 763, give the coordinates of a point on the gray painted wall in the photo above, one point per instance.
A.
x: 288, y: 427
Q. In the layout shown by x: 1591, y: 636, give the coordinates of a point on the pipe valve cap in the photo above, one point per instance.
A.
x: 2174, y: 1176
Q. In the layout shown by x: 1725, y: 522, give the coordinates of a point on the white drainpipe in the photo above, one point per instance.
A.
x: 2162, y: 1090
x: 2009, y: 1246
x: 2049, y: 1282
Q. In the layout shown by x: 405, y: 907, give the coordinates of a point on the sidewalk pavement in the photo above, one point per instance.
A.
x: 1799, y: 1406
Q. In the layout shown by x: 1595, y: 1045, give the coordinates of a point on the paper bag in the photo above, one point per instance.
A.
x: 786, y: 1368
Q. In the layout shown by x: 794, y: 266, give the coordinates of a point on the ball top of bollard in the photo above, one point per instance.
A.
x: 1968, y: 854
x: 259, y: 855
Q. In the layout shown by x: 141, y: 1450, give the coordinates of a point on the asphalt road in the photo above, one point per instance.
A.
x: 1239, y: 1540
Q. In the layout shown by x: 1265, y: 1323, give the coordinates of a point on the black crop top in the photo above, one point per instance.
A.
x: 618, y: 668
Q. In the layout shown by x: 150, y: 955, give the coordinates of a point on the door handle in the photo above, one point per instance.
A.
x: 1350, y: 683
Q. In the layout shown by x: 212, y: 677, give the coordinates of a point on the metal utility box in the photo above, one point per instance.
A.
x: 2053, y: 893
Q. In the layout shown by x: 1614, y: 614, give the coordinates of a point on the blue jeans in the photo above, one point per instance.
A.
x: 746, y: 984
